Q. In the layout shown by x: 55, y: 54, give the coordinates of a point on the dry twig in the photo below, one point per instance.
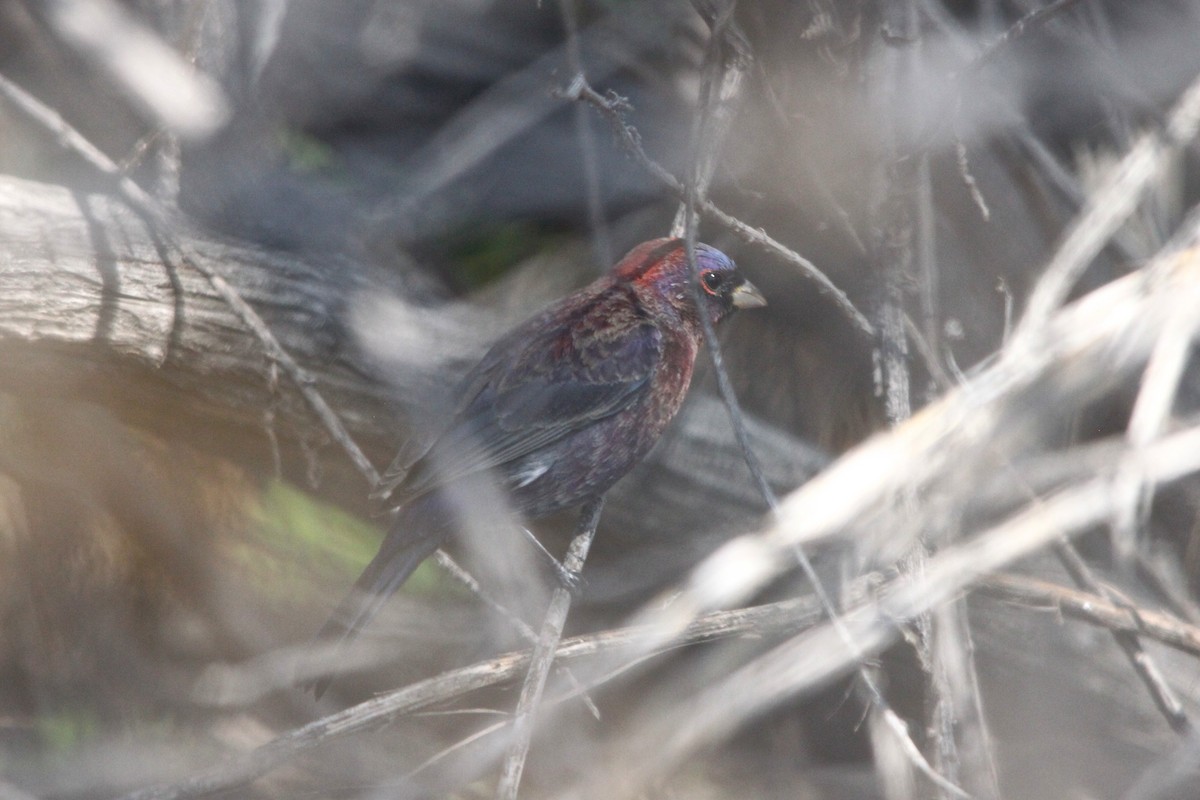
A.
x: 1118, y: 194
x: 613, y: 109
x: 1146, y: 667
x: 1030, y: 22
x: 815, y: 657
x: 544, y: 652
x: 932, y: 445
x: 787, y: 615
x: 1093, y: 608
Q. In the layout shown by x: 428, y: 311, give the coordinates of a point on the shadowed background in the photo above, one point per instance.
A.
x: 391, y: 185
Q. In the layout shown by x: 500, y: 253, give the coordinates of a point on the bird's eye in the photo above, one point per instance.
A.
x: 712, y: 281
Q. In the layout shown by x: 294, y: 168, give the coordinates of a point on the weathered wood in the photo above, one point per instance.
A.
x: 91, y: 308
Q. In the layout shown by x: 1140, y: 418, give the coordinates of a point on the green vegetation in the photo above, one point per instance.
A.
x: 488, y: 252
x: 299, y: 536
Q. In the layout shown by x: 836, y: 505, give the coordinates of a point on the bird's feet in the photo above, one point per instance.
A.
x: 571, y: 581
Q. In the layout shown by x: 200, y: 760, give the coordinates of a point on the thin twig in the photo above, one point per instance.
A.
x: 907, y: 246
x: 1129, y: 483
x: 691, y: 192
x: 1030, y: 22
x: 1170, y: 592
x: 895, y: 215
x: 67, y: 137
x: 543, y: 654
x: 840, y: 501
x: 933, y: 364
x: 1145, y: 667
x: 1050, y: 169
x: 1118, y: 194
x: 601, y: 240
x: 1093, y: 608
x: 815, y: 178
x: 1149, y: 418
x: 440, y: 755
x: 460, y: 574
x: 613, y: 108
x: 759, y: 620
x: 898, y: 250
x: 968, y: 179
x: 970, y: 761
x: 726, y: 59
x: 303, y: 382
x: 553, y: 701
x: 818, y: 656
x: 876, y: 701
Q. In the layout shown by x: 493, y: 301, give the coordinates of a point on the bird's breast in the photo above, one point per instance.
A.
x: 588, y: 462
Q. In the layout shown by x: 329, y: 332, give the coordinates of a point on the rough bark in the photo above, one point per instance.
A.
x: 92, y: 309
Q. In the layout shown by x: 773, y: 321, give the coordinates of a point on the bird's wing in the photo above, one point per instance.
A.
x: 546, y: 380
x: 409, y: 454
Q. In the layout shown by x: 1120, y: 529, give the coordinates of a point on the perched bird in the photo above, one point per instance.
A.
x: 558, y: 410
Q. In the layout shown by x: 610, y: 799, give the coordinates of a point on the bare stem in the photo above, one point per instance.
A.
x: 788, y: 615
x: 543, y: 654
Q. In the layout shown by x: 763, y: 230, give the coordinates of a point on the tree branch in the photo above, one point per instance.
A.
x: 759, y: 620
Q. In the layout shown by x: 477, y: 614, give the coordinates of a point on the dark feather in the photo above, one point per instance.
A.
x: 415, y: 533
x: 516, y: 401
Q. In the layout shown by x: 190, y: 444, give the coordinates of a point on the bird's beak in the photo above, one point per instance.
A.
x: 747, y: 295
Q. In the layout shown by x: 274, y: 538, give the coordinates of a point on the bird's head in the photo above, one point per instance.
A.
x: 659, y: 270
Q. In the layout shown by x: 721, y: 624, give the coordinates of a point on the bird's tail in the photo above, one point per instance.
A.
x: 407, y: 544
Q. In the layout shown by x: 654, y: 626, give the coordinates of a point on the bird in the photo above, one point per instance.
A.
x: 556, y: 412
